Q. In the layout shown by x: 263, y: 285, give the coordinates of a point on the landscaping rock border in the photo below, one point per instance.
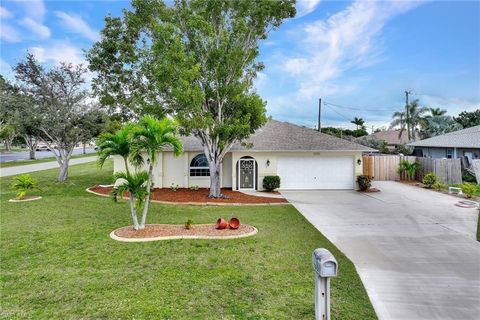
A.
x: 253, y: 231
x: 26, y: 199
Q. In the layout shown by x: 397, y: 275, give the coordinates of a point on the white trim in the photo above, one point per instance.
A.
x: 254, y: 175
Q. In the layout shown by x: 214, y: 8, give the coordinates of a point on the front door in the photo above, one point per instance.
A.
x: 246, y: 168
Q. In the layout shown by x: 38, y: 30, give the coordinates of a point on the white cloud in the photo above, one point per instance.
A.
x: 305, y: 7
x: 34, y: 9
x: 37, y: 28
x: 34, y: 12
x: 346, y: 40
x: 4, y: 13
x: 9, y: 33
x: 76, y: 24
x: 60, y: 52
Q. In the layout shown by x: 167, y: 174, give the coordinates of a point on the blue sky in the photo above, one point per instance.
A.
x: 359, y: 56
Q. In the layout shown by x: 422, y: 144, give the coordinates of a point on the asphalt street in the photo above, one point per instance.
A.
x: 24, y: 155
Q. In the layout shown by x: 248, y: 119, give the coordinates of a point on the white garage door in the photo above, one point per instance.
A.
x: 316, y: 172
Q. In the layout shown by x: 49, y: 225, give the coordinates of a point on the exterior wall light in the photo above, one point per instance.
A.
x: 268, y: 163
x: 359, y: 161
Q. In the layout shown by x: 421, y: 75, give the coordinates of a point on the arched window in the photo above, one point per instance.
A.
x: 199, y: 166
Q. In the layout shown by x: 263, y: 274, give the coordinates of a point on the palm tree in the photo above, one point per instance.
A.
x: 399, y: 119
x: 416, y: 117
x: 411, y: 123
x: 116, y: 144
x: 135, y: 185
x: 435, y: 112
x: 358, y: 122
x: 151, y: 136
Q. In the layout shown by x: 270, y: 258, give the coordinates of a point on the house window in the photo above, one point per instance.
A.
x: 199, y: 166
x: 449, y: 153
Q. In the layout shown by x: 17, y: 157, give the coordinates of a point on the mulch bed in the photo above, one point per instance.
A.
x: 184, y: 195
x: 171, y: 230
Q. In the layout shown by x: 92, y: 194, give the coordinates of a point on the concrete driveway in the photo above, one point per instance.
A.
x: 415, y: 250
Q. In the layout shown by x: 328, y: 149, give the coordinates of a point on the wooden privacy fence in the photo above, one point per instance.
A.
x: 383, y: 168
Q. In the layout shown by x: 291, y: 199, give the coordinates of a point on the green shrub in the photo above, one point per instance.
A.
x: 439, y: 186
x: 22, y: 184
x: 194, y: 187
x: 429, y: 180
x: 271, y: 183
x: 468, y: 189
x: 469, y: 178
x: 409, y: 167
x: 364, y: 182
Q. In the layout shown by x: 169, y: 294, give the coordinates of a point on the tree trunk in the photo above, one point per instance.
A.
x: 8, y: 144
x: 63, y: 173
x: 84, y: 148
x: 147, y: 198
x: 215, y: 187
x: 133, y: 210
x: 29, y: 141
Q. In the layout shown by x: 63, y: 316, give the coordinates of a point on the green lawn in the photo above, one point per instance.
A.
x: 58, y: 262
x: 48, y: 159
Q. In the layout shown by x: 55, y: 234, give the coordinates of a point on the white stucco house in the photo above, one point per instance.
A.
x: 303, y: 158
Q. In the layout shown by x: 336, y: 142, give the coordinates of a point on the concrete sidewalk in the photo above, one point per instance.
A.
x: 414, y: 250
x: 11, y: 171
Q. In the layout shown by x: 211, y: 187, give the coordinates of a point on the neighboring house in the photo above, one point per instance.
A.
x: 461, y: 143
x: 391, y: 137
x: 303, y: 158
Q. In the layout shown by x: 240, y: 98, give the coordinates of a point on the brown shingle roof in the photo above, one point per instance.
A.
x: 284, y: 136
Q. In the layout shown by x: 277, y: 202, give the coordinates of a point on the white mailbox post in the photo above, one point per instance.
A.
x: 325, y: 267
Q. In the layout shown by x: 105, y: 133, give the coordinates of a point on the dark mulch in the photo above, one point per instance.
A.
x: 166, y: 230
x: 200, y: 196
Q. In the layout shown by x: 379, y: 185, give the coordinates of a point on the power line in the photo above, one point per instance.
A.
x: 360, y: 108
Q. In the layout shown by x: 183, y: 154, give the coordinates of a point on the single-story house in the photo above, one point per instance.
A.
x: 303, y: 158
x: 457, y: 144
x: 391, y: 137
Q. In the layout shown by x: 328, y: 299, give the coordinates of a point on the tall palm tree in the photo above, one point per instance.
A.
x: 416, y: 115
x: 435, y: 112
x: 116, y: 144
x: 411, y: 121
x: 399, y: 119
x: 149, y: 137
x: 135, y: 185
x: 358, y: 122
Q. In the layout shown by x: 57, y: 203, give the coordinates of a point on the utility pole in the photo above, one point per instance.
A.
x: 319, y: 115
x: 407, y: 114
x: 372, y: 130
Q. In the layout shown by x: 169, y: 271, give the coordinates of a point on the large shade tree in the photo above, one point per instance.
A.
x: 65, y: 116
x: 195, y: 59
